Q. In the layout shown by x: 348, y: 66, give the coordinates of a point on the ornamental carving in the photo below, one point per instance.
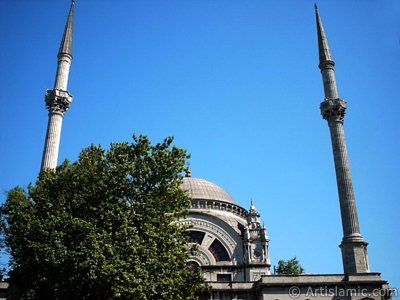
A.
x: 57, y: 101
x: 226, y: 238
x: 202, y: 258
x: 333, y: 110
x: 219, y: 205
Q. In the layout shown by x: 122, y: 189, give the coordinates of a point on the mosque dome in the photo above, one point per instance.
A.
x: 201, y: 189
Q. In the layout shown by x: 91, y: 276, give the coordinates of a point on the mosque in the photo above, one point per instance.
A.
x: 233, y: 244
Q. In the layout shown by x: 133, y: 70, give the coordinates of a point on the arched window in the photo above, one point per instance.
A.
x: 192, y: 265
x: 196, y: 237
x: 219, y: 251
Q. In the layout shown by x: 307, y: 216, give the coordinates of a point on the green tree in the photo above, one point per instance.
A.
x: 289, y: 267
x: 104, y: 227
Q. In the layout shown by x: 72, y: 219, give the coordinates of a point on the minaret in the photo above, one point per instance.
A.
x: 353, y: 246
x: 58, y: 99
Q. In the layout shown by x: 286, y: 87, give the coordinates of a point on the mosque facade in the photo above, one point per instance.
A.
x: 232, y: 241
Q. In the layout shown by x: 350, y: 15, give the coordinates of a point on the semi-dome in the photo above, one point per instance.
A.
x: 201, y: 189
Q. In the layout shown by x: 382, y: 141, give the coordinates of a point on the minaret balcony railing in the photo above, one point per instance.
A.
x: 333, y: 109
x: 58, y: 101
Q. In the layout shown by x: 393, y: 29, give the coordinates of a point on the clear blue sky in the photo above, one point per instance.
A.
x: 237, y: 84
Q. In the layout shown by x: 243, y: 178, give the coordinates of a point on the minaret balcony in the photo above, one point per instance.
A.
x: 333, y: 109
x: 58, y: 101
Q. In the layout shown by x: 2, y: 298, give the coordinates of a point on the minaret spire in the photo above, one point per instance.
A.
x: 354, y: 248
x: 58, y: 99
x: 326, y: 63
x: 66, y: 42
x: 323, y: 47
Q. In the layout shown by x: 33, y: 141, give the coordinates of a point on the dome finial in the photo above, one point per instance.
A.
x: 188, y: 172
x: 252, y: 207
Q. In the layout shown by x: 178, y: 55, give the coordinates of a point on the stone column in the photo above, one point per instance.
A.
x: 57, y: 103
x: 353, y: 246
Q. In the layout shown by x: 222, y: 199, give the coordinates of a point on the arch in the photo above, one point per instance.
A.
x: 203, y: 257
x: 219, y: 251
x: 205, y: 229
x: 192, y: 265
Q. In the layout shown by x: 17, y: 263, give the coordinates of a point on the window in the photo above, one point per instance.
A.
x: 192, y: 265
x: 219, y: 251
x: 196, y: 237
x: 224, y: 277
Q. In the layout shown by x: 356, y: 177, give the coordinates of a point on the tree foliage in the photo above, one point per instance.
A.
x: 103, y: 227
x: 289, y: 267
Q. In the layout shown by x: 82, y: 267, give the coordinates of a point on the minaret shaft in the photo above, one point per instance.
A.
x: 52, y: 142
x: 61, y: 80
x: 58, y: 99
x: 329, y: 81
x: 344, y: 182
x: 333, y: 110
